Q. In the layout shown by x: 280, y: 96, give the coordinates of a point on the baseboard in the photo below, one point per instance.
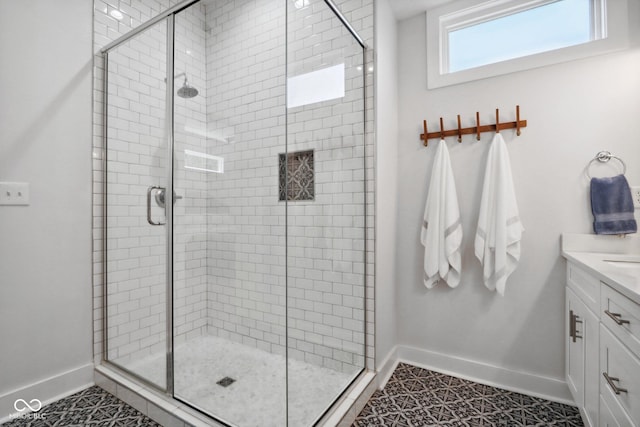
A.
x: 48, y: 390
x: 387, y: 367
x: 548, y: 388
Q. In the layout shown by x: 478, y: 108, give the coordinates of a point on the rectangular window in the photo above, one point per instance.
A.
x: 469, y: 41
x: 548, y: 27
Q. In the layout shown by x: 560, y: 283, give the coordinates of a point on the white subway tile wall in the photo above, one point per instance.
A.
x: 326, y: 237
x: 137, y: 160
x: 190, y: 212
x: 246, y: 109
x: 324, y: 277
x: 136, y: 295
x: 229, y: 239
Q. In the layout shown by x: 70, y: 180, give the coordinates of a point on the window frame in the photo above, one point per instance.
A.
x: 609, y: 32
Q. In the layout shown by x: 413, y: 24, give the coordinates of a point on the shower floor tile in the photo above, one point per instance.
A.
x: 419, y: 397
x: 92, y: 406
x: 257, y: 396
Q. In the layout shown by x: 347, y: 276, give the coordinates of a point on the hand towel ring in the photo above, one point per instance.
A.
x: 604, y: 157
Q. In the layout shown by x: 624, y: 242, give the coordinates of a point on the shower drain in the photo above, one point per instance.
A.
x: 226, y: 381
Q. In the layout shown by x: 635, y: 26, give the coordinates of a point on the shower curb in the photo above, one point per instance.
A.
x: 171, y: 413
x: 346, y: 409
x: 155, y: 405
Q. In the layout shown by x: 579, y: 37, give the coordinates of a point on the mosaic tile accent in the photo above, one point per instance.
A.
x: 419, y: 397
x: 296, y: 176
x: 90, y: 407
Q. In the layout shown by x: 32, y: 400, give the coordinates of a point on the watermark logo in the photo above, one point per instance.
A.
x: 21, y: 405
x: 27, y: 410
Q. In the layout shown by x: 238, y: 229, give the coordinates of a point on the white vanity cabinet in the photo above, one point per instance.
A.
x: 602, y: 351
x: 582, y: 348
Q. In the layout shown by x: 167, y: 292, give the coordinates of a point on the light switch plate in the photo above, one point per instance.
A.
x: 14, y: 193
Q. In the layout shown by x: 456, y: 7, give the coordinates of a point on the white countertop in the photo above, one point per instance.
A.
x: 592, y: 253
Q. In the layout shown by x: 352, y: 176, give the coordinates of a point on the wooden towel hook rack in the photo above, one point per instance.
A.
x: 477, y: 129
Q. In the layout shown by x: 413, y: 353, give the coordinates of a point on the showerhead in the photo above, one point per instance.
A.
x: 187, y: 91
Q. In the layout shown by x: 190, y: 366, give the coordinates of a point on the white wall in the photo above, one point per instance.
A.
x: 573, y: 110
x: 386, y: 177
x: 45, y: 248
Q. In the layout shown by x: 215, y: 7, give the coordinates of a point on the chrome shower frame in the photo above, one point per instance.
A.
x: 169, y: 17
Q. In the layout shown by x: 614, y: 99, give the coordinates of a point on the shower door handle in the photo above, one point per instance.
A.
x: 160, y: 196
x: 149, y: 191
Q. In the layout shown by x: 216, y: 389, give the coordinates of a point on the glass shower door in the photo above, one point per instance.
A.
x: 325, y: 190
x: 229, y: 234
x: 135, y: 232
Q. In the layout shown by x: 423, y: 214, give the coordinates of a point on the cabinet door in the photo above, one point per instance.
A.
x: 611, y: 413
x: 589, y: 329
x: 582, y: 357
x: 620, y: 376
x: 575, y: 351
x: 607, y: 419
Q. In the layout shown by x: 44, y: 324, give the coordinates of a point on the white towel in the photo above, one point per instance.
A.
x: 441, y: 230
x: 497, y: 244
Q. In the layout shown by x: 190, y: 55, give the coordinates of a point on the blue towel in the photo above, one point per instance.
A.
x: 612, y: 206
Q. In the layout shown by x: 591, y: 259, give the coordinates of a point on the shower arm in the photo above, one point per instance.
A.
x: 176, y: 76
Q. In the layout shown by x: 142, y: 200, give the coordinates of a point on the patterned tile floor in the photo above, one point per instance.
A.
x: 419, y: 397
x: 90, y: 407
x: 412, y: 397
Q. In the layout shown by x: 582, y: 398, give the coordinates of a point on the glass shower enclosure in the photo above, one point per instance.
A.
x: 234, y: 194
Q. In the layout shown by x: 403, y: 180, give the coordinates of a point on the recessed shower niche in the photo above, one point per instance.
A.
x: 296, y: 176
x: 236, y: 299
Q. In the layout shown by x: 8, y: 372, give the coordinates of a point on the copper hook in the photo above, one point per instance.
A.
x: 459, y: 130
x: 497, y: 121
x: 478, y: 125
x: 518, y: 120
x: 441, y: 129
x: 424, y: 126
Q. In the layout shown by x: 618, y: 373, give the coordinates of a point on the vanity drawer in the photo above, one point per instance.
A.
x: 611, y: 414
x: 586, y: 286
x: 619, y: 375
x: 621, y: 316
